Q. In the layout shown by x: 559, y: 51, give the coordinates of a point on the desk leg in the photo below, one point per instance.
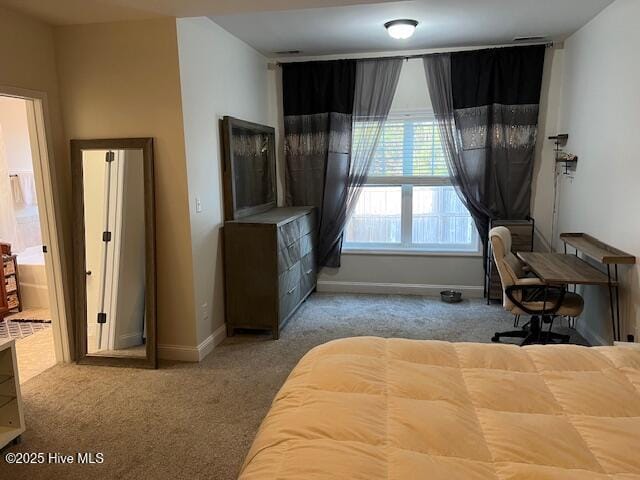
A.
x: 611, y: 305
x: 617, y: 287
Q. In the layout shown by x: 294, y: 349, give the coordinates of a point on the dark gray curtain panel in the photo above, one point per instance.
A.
x: 486, y: 104
x: 318, y: 107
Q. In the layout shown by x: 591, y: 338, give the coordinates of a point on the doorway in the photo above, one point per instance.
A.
x: 31, y: 310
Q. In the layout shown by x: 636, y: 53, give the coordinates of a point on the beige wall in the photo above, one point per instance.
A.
x: 122, y: 80
x: 27, y: 60
x: 600, y: 105
x: 220, y: 76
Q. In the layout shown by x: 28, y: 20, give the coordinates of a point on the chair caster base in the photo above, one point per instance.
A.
x: 531, y: 338
x: 514, y: 334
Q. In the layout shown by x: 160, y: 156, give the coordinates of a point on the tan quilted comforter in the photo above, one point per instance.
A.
x: 370, y: 408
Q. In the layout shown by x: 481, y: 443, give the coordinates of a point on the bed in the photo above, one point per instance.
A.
x: 370, y: 408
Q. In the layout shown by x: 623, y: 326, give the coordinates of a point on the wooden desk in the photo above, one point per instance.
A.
x: 562, y: 269
x: 610, y: 257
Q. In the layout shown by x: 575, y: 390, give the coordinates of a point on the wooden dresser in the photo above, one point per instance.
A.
x: 521, y: 241
x: 270, y: 267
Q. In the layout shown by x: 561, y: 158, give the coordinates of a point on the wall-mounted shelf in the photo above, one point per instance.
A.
x: 597, y: 250
x: 570, y: 161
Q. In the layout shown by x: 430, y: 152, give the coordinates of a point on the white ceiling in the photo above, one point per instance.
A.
x: 68, y: 12
x: 443, y: 23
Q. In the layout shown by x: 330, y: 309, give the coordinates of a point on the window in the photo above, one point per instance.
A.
x: 408, y: 202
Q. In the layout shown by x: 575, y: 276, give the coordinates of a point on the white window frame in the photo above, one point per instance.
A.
x: 406, y: 245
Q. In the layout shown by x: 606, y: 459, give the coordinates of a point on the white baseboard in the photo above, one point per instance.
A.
x: 212, y: 341
x: 180, y: 353
x: 397, y: 288
x: 183, y: 353
x: 627, y: 345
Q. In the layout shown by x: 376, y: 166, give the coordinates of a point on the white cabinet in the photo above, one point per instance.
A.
x: 11, y: 412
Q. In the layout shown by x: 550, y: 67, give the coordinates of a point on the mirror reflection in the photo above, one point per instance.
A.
x: 253, y: 167
x: 114, y: 231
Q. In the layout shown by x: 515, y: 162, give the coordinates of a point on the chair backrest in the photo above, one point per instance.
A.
x: 509, y: 267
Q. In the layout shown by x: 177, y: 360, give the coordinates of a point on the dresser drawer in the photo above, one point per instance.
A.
x: 292, y: 231
x: 308, y: 273
x: 288, y: 234
x: 288, y: 302
x: 289, y: 279
x: 307, y: 223
x: 288, y: 256
x: 306, y: 244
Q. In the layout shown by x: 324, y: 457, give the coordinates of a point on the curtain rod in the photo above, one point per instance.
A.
x: 421, y: 55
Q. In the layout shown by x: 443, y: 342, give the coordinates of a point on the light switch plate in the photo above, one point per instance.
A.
x: 198, y: 205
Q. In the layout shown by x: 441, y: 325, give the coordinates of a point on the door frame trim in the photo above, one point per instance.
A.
x: 49, y: 209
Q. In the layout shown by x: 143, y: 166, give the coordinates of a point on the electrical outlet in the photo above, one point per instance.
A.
x: 204, y: 308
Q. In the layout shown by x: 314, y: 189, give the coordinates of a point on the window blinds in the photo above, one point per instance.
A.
x: 409, y: 146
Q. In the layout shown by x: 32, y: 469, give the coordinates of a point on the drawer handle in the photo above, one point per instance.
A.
x: 291, y: 291
x: 308, y: 271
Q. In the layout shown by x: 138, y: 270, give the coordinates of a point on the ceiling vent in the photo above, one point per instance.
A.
x: 532, y: 38
x: 288, y: 52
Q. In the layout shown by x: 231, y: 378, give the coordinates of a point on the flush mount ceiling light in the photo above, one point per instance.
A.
x: 401, y: 29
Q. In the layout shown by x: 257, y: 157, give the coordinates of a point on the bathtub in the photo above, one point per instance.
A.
x: 33, y: 278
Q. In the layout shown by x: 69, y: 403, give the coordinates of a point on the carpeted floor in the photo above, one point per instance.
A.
x: 193, y: 421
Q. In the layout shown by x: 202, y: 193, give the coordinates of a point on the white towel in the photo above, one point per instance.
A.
x: 16, y: 191
x: 23, y: 188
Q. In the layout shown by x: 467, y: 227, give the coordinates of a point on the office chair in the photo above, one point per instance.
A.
x: 530, y: 296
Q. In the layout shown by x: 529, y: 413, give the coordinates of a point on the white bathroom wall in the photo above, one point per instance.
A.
x: 13, y: 118
x: 22, y: 201
x: 8, y: 226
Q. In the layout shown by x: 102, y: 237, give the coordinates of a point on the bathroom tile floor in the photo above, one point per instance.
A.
x: 35, y: 352
x: 31, y: 314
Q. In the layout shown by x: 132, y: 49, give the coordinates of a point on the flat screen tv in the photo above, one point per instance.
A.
x: 249, y: 169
